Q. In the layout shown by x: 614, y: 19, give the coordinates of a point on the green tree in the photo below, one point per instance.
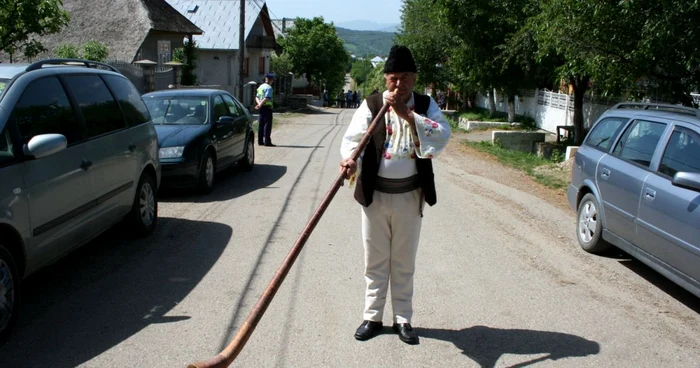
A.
x: 67, y: 51
x: 626, y: 48
x: 424, y: 30
x: 360, y: 70
x: 95, y: 51
x: 189, y: 55
x: 375, y: 80
x: 316, y: 52
x: 487, y: 30
x: 23, y: 20
x: 281, y: 65
x: 91, y: 50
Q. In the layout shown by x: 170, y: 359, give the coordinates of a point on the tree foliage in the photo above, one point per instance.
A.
x: 360, y: 70
x: 189, y: 56
x: 632, y: 49
x: 67, y: 51
x: 280, y: 65
x: 91, y: 50
x: 424, y: 30
x: 316, y: 52
x: 23, y: 20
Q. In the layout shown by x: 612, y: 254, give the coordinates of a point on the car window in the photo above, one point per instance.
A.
x: 6, y: 148
x: 3, y: 84
x: 682, y: 153
x: 101, y: 112
x: 639, y: 142
x: 177, y: 110
x: 44, y: 108
x: 129, y: 98
x: 603, y: 134
x: 220, y: 108
x: 233, y: 107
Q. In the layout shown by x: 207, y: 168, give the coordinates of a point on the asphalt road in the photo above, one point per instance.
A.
x: 500, y: 280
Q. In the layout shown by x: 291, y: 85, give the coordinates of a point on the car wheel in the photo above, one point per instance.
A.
x: 144, y: 212
x: 9, y: 294
x: 589, y: 227
x: 248, y: 161
x: 207, y: 173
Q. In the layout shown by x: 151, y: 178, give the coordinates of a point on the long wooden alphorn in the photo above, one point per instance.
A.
x: 229, y: 354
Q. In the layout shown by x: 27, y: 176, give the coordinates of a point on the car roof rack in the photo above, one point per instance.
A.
x: 87, y: 63
x: 657, y: 106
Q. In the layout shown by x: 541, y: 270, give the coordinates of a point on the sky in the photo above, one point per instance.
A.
x: 378, y: 11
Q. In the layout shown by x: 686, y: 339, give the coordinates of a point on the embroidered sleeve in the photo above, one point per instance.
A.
x: 353, y: 135
x: 433, y: 132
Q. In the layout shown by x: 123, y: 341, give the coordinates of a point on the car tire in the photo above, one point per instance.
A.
x: 207, y: 173
x: 143, y: 216
x: 247, y: 162
x: 589, y: 226
x: 9, y: 294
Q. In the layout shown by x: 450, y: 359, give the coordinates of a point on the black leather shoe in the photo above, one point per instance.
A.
x: 270, y: 145
x: 368, y: 330
x: 406, y: 333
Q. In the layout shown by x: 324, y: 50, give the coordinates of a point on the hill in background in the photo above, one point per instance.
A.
x: 370, y: 43
x: 365, y: 25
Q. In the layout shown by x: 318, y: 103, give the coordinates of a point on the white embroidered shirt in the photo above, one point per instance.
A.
x: 401, y: 146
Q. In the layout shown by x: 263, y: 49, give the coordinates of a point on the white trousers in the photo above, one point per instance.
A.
x: 390, y: 231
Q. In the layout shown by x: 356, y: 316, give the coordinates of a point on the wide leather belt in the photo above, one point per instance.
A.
x: 397, y: 186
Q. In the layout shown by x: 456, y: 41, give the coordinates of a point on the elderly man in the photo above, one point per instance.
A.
x: 263, y: 98
x: 392, y: 180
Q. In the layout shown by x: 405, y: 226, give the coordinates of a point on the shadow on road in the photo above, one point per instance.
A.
x: 230, y: 184
x: 650, y: 275
x: 485, y: 345
x: 283, y: 146
x: 109, y: 290
x: 667, y: 286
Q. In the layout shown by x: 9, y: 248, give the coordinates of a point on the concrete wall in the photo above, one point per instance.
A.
x: 517, y: 141
x: 549, y: 109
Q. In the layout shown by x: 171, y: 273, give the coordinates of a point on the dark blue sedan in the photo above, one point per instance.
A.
x: 200, y: 133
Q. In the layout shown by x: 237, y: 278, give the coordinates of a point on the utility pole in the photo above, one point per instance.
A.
x: 241, y: 51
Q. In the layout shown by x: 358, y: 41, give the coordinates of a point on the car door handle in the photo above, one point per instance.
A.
x: 86, y: 164
x: 605, y: 173
x: 132, y: 147
x: 649, y: 194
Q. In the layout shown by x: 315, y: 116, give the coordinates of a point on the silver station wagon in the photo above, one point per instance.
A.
x: 635, y: 184
x: 78, y: 154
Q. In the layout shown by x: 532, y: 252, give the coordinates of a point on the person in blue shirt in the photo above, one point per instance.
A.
x: 264, y: 99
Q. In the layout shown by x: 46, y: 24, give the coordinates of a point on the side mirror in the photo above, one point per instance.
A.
x: 687, y: 180
x: 45, y: 145
x: 225, y: 120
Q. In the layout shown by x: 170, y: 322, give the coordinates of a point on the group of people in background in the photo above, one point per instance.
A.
x: 344, y: 100
x: 353, y: 99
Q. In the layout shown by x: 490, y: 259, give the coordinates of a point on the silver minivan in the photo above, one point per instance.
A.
x: 635, y: 184
x: 78, y: 154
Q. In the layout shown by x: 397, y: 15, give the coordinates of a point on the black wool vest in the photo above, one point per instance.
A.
x: 367, y: 179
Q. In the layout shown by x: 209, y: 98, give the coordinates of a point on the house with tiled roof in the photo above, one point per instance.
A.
x: 132, y: 30
x: 218, y: 46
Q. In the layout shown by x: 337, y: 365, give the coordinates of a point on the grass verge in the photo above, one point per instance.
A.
x: 552, y: 174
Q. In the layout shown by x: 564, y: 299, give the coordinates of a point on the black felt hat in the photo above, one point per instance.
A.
x: 400, y: 60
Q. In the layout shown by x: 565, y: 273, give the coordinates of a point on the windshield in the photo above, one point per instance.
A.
x: 170, y: 110
x: 3, y: 83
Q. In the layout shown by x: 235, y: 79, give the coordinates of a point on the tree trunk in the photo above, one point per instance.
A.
x: 580, y: 87
x: 492, y: 102
x: 511, y: 108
